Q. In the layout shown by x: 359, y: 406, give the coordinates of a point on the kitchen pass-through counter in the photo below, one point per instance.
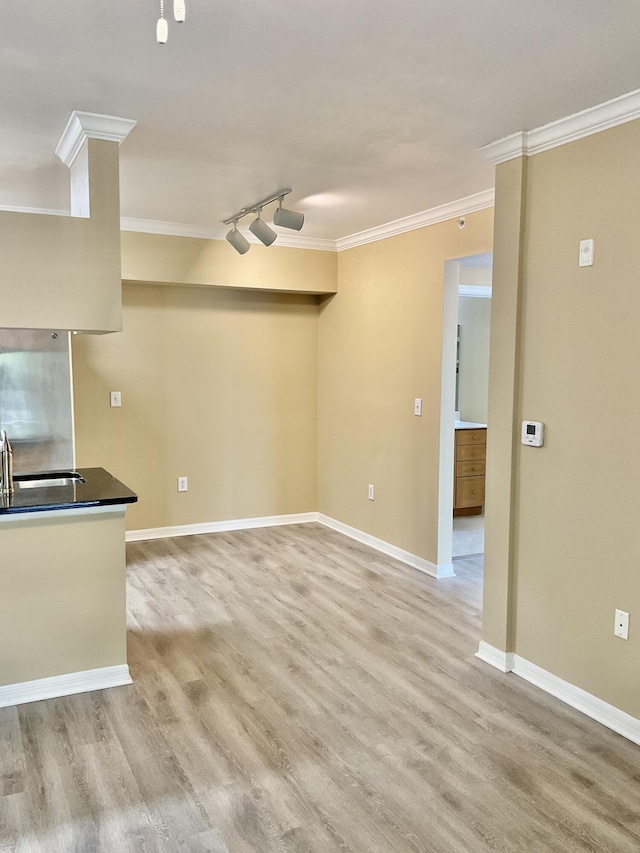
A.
x: 63, y: 573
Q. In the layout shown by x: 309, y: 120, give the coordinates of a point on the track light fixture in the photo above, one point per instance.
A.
x: 162, y: 27
x: 266, y: 235
x: 288, y: 218
x: 238, y: 240
x: 262, y: 231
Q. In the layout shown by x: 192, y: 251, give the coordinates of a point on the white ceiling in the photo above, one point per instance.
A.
x: 371, y: 111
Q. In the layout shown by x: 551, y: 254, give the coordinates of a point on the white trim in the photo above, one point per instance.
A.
x: 500, y: 660
x: 179, y: 229
x: 569, y: 129
x: 64, y: 685
x: 608, y: 715
x: 442, y: 571
x: 451, y: 210
x: 597, y: 709
x: 38, y: 515
x: 42, y: 211
x: 204, y: 232
x: 220, y: 526
x: 82, y: 126
x: 507, y: 148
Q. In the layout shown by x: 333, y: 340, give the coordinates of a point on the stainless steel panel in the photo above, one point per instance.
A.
x: 35, y: 398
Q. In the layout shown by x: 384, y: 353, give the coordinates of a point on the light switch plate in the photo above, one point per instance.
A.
x: 586, y: 253
x: 116, y: 399
x: 417, y: 407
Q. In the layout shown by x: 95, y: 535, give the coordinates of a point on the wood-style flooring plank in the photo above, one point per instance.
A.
x: 296, y: 692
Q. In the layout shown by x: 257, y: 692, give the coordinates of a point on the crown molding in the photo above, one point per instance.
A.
x: 569, y: 129
x: 82, y: 126
x: 507, y: 148
x: 461, y: 207
x: 451, y: 210
x: 203, y: 232
x: 43, y: 211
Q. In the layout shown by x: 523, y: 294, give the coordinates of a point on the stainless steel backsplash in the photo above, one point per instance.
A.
x: 36, y: 406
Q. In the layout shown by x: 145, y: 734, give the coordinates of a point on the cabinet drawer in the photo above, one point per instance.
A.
x: 469, y: 491
x: 471, y: 436
x: 469, y: 452
x: 471, y: 468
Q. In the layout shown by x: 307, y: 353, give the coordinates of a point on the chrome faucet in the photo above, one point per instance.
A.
x: 6, y: 465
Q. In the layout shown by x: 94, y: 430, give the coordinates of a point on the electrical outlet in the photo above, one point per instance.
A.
x: 621, y: 627
x: 372, y: 492
x: 417, y: 407
x: 182, y: 484
x: 116, y: 399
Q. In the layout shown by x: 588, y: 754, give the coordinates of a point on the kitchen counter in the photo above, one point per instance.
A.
x: 98, y: 489
x: 469, y: 425
x: 63, y: 574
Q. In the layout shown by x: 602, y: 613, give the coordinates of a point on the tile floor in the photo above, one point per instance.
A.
x: 468, y: 536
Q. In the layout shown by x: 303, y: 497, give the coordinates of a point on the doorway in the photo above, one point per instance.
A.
x: 464, y: 393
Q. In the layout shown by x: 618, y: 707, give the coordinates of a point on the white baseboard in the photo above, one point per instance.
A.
x: 500, y: 660
x: 220, y: 526
x: 64, y: 685
x: 444, y: 570
x: 610, y: 716
x: 597, y: 709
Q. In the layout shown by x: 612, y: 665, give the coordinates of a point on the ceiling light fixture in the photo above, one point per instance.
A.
x: 266, y: 235
x: 261, y: 230
x: 288, y: 218
x: 238, y: 240
x: 162, y: 27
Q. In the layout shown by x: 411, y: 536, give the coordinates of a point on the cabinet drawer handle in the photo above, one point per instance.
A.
x: 473, y: 491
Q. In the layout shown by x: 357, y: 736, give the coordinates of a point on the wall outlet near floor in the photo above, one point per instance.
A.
x: 621, y: 627
x: 372, y: 492
x: 182, y: 484
x: 116, y: 399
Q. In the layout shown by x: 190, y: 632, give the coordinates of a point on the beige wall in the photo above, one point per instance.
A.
x: 474, y: 319
x: 63, y: 606
x: 217, y: 385
x: 189, y: 260
x: 63, y: 272
x: 575, y: 549
x: 380, y: 346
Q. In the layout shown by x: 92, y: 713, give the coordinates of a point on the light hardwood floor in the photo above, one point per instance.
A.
x: 297, y: 691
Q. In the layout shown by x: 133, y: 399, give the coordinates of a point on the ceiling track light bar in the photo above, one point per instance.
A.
x: 255, y: 208
x: 259, y: 228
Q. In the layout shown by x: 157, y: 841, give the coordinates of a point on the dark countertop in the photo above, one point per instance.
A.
x: 98, y: 489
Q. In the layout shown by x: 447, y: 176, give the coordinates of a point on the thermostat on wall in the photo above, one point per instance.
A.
x: 532, y: 433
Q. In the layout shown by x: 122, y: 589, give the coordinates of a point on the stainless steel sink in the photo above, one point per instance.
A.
x: 47, y: 479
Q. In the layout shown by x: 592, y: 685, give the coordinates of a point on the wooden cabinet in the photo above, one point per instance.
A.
x: 469, y: 471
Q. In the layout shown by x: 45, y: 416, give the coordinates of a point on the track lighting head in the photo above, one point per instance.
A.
x: 238, y: 240
x: 262, y: 231
x: 162, y: 30
x: 288, y: 218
